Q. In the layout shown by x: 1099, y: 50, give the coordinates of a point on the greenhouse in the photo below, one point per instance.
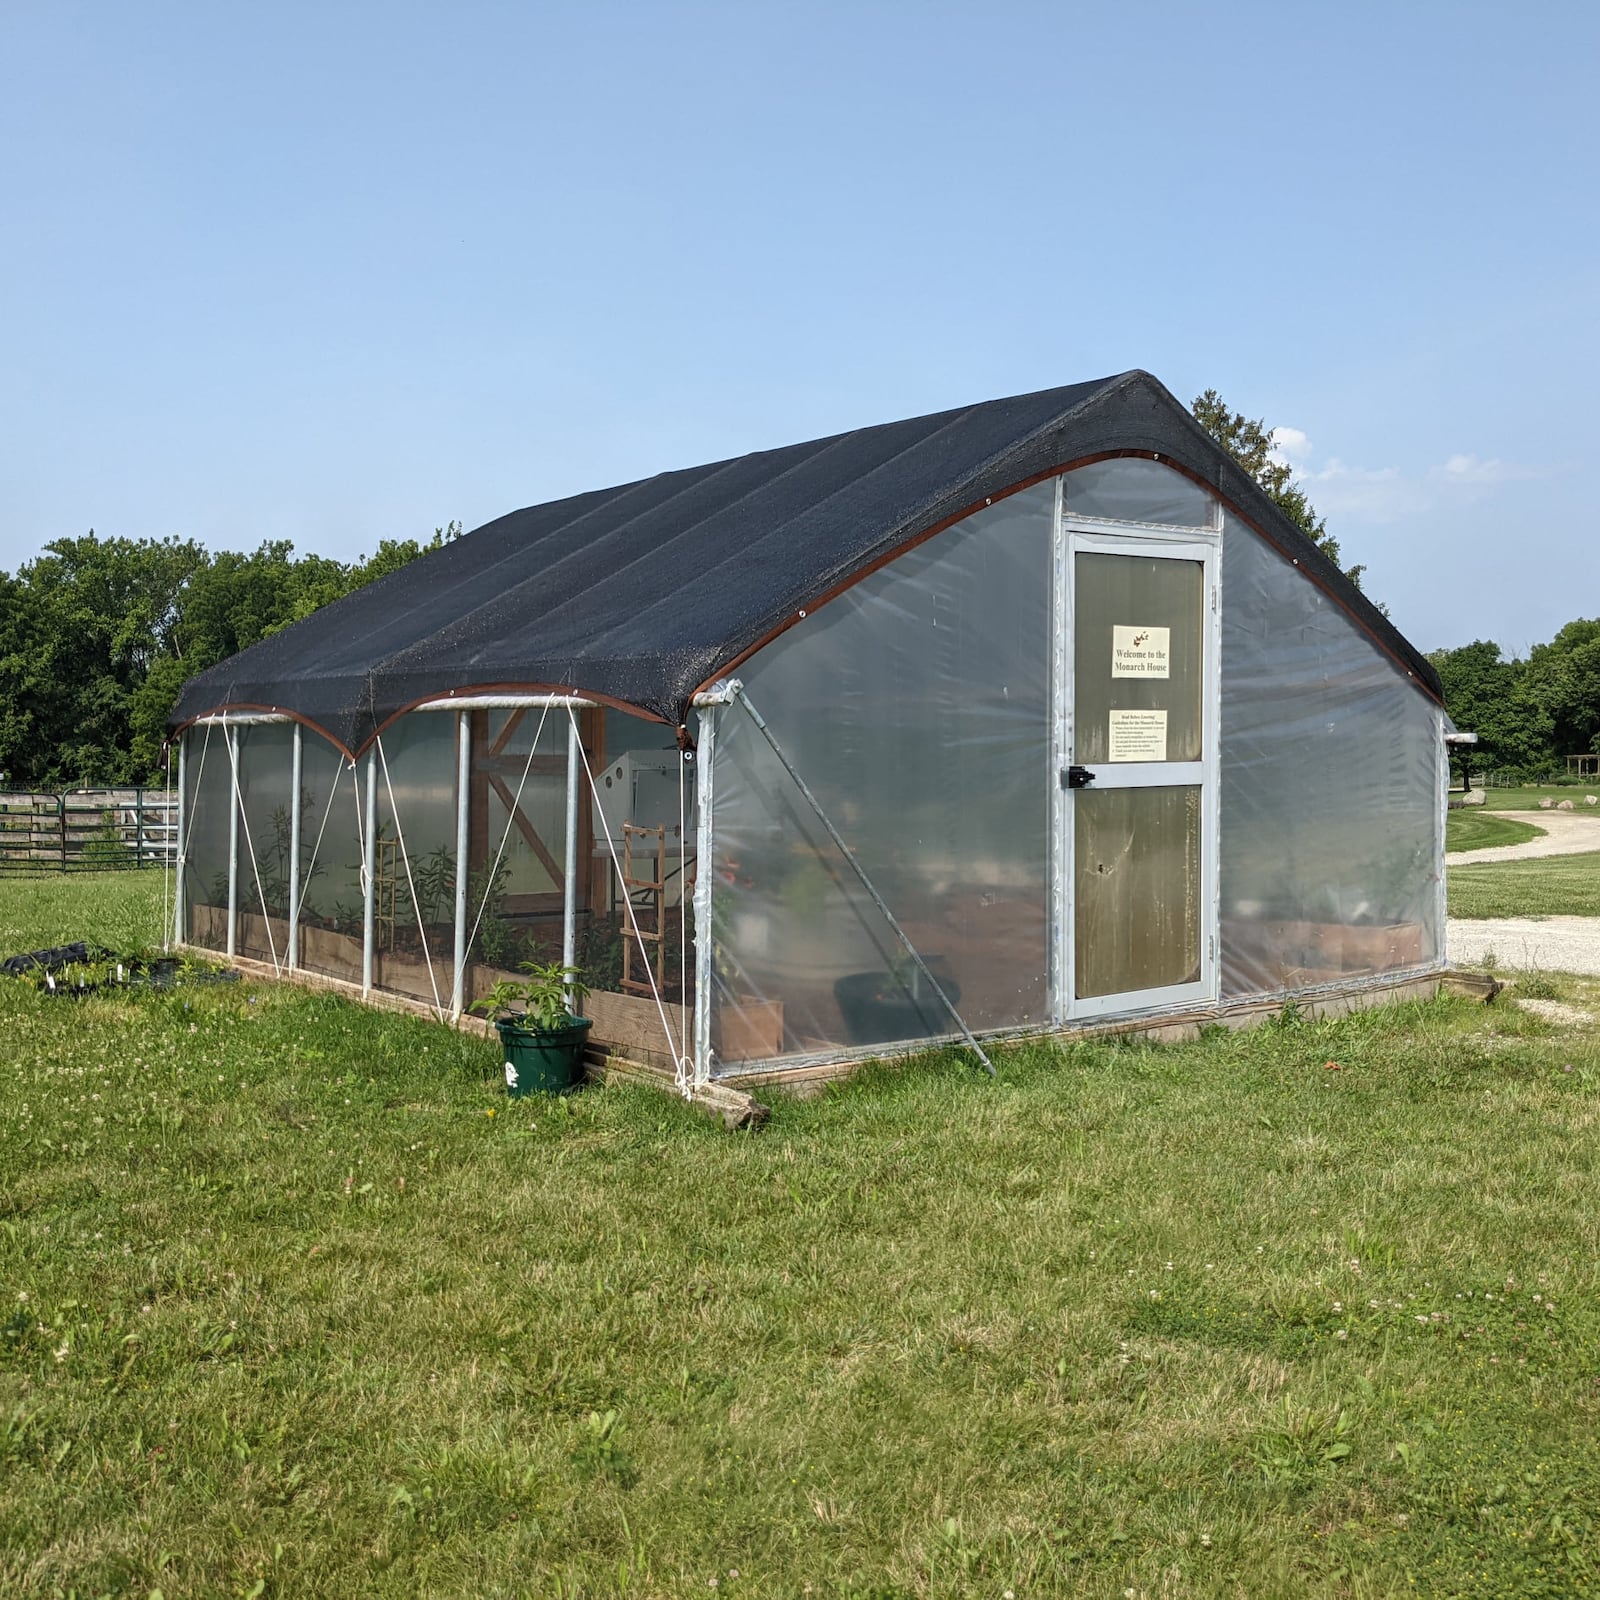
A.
x: 1028, y: 716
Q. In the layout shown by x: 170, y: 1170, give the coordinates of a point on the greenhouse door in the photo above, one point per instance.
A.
x: 1136, y: 820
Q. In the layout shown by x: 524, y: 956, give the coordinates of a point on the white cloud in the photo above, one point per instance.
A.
x: 1291, y: 445
x: 1471, y: 470
x: 1386, y: 494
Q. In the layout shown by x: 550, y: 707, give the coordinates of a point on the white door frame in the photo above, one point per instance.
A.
x: 1081, y: 534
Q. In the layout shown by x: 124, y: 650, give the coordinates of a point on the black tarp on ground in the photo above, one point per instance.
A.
x: 642, y: 593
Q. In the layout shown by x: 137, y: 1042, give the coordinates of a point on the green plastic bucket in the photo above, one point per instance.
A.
x: 542, y: 1060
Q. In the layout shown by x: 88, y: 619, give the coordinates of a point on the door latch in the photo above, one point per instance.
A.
x: 1076, y: 778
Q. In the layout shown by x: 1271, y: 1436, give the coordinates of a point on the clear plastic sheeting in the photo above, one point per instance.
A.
x: 265, y: 826
x: 1129, y: 489
x: 917, y: 707
x: 1331, y: 833
x: 517, y: 839
x: 414, y: 867
x: 209, y: 780
x: 332, y: 825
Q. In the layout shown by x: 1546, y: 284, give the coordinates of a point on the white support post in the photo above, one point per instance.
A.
x: 458, y: 989
x: 705, y: 772
x: 294, y: 850
x: 234, y: 800
x: 179, y: 924
x: 569, y: 903
x: 369, y: 875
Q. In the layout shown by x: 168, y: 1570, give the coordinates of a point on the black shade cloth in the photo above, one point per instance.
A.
x: 643, y: 593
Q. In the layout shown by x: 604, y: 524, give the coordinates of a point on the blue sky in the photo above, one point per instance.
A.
x: 338, y: 272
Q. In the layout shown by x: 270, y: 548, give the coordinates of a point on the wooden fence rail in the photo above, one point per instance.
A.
x: 88, y: 830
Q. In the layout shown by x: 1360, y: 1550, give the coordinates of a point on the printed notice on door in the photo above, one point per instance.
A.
x: 1138, y: 736
x: 1140, y: 652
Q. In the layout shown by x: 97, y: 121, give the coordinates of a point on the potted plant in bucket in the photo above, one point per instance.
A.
x: 543, y: 1040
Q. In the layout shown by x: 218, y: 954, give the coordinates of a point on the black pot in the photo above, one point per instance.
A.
x: 877, y: 1010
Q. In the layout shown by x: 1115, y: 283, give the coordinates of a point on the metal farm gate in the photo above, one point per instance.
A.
x: 89, y: 830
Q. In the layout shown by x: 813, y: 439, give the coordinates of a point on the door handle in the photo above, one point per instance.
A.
x: 1076, y: 778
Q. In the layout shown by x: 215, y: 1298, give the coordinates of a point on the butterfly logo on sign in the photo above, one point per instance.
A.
x: 1141, y: 638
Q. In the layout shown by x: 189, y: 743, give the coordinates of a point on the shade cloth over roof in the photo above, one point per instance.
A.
x: 643, y: 593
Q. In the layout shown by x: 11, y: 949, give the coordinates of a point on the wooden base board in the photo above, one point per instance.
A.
x: 1174, y: 1028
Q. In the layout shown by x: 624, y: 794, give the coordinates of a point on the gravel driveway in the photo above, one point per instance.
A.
x: 1567, y: 833
x: 1551, y: 944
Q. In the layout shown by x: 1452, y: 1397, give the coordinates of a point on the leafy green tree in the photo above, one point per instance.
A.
x: 98, y: 636
x: 83, y: 623
x: 1498, y: 700
x: 1249, y: 442
x: 1565, y: 677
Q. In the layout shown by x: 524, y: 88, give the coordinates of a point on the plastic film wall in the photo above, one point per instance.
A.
x: 1331, y: 825
x: 209, y: 785
x: 917, y: 707
x: 414, y: 860
x: 330, y: 847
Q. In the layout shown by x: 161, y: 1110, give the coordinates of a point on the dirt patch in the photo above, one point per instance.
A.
x: 1558, y: 1012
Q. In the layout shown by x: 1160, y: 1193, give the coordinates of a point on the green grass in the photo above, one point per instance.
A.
x: 293, y: 1302
x: 1479, y: 830
x: 1552, y: 886
x: 1528, y: 797
x: 122, y: 909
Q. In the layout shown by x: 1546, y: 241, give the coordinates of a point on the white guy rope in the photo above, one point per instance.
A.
x: 255, y: 871
x: 183, y: 844
x: 298, y: 910
x: 676, y: 1040
x: 400, y: 835
x: 511, y: 817
x: 361, y: 832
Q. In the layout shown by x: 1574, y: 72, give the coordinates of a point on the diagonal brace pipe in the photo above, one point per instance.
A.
x: 737, y: 692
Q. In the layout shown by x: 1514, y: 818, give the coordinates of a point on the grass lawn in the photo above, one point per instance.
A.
x: 1553, y: 886
x: 293, y: 1302
x: 1528, y: 798
x: 1479, y: 830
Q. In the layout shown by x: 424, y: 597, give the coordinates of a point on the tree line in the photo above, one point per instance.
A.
x: 1529, y: 713
x: 97, y: 637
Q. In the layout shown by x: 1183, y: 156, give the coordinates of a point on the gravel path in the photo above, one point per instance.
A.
x: 1551, y: 944
x: 1567, y: 833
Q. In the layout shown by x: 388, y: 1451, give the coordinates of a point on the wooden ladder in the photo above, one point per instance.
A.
x: 647, y: 932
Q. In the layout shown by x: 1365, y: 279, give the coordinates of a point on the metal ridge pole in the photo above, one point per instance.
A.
x: 705, y: 774
x: 369, y: 871
x: 179, y: 927
x: 569, y: 899
x: 234, y: 802
x: 458, y: 985
x: 294, y: 849
x: 860, y: 872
